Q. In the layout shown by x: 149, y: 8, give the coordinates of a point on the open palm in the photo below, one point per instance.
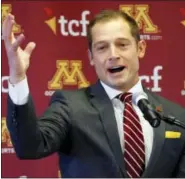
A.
x: 18, y: 58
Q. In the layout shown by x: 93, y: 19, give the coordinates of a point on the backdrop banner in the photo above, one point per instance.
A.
x: 60, y: 60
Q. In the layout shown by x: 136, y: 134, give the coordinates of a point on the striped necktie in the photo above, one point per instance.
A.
x: 134, y: 151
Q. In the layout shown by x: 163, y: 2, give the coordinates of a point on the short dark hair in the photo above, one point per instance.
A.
x: 107, y: 15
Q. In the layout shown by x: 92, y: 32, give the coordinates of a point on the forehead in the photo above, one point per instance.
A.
x: 111, y: 30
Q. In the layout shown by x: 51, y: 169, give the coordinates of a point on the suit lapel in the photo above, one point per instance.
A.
x: 102, y: 103
x: 158, y: 140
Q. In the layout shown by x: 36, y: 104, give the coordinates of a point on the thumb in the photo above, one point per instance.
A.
x: 30, y: 47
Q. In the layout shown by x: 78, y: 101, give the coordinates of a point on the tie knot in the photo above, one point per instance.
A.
x: 125, y: 97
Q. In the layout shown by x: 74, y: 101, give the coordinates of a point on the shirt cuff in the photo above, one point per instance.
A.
x: 19, y: 92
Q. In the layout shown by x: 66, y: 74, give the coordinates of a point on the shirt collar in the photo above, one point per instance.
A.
x: 112, y: 93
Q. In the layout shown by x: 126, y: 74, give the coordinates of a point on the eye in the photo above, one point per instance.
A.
x: 101, y: 47
x: 122, y: 45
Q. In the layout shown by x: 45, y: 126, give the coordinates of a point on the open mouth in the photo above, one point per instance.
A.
x: 116, y: 69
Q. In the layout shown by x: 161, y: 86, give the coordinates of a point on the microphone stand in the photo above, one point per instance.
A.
x: 170, y: 119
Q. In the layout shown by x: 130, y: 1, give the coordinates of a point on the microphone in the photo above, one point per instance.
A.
x: 141, y: 100
x: 150, y: 114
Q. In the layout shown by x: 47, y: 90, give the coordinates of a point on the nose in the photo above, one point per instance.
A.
x: 114, y: 55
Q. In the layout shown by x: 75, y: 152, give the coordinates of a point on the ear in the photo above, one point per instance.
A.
x: 90, y: 56
x: 141, y: 48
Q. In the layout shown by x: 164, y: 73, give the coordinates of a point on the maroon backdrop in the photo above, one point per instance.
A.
x: 60, y: 58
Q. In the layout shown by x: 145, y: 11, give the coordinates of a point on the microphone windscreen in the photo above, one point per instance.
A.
x: 138, y: 96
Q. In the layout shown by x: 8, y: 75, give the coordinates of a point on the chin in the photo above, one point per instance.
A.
x: 119, y: 83
x: 117, y: 86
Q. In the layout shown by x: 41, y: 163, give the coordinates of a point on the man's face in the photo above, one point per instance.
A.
x: 115, y: 54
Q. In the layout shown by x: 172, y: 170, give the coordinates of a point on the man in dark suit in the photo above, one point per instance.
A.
x: 96, y: 131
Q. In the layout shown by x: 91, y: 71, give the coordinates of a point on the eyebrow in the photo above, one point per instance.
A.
x: 103, y: 41
x: 99, y: 42
x: 125, y: 39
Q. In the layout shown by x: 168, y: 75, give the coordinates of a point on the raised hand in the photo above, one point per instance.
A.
x: 18, y: 58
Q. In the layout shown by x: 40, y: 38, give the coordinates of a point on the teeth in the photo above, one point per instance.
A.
x: 115, y: 67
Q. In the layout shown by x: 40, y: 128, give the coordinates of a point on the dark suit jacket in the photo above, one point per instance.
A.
x: 80, y: 125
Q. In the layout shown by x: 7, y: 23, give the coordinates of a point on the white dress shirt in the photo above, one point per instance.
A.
x: 20, y: 91
x: 118, y: 110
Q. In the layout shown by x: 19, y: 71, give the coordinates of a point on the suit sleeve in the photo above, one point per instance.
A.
x: 35, y: 138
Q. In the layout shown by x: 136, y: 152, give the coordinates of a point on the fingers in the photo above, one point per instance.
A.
x: 11, y: 43
x: 7, y: 29
x: 18, y: 42
x: 5, y: 22
x: 30, y: 47
x: 11, y: 22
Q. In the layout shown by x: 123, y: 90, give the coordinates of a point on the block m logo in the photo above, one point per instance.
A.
x: 140, y: 14
x: 5, y: 134
x: 68, y: 73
